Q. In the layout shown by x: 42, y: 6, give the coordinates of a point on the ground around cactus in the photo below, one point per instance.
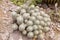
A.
x: 6, y: 32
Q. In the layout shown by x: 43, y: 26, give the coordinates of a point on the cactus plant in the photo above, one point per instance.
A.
x: 32, y: 23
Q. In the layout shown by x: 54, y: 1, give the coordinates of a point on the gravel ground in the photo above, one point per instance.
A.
x: 6, y: 32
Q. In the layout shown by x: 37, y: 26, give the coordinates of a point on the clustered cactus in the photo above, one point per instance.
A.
x: 31, y: 21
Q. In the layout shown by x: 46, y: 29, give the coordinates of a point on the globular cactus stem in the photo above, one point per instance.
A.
x: 27, y: 3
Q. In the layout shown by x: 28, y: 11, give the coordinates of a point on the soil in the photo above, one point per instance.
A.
x: 7, y: 33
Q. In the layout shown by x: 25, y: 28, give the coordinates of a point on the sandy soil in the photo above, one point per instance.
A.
x: 7, y: 33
